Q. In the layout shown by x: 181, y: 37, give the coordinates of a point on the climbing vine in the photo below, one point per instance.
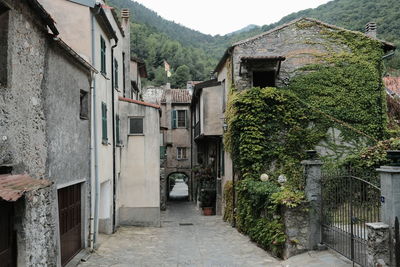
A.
x: 270, y: 128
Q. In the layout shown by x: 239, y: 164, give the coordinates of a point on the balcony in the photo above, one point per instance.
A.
x: 197, y: 130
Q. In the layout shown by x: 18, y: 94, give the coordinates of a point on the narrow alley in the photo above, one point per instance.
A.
x: 187, y: 238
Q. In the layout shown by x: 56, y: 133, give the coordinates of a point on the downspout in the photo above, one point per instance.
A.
x: 113, y: 136
x: 191, y: 152
x: 95, y: 187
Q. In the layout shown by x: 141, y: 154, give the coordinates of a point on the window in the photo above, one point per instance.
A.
x: 84, y: 105
x: 179, y: 119
x: 115, y: 74
x: 135, y: 126
x: 181, y: 153
x: 264, y: 79
x: 104, y: 123
x: 123, y: 75
x: 117, y: 130
x: 103, y: 47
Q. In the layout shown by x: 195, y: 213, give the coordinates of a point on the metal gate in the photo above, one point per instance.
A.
x: 348, y: 203
x: 69, y: 205
x: 7, y: 235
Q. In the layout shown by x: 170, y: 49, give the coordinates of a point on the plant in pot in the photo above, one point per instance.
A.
x: 207, y: 199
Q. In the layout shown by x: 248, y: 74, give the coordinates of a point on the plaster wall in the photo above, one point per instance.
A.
x: 74, y: 30
x: 139, y: 184
x: 213, y: 117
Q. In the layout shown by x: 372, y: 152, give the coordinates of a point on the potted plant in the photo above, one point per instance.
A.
x: 207, y: 199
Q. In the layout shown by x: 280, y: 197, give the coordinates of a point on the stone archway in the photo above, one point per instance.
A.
x: 165, y: 185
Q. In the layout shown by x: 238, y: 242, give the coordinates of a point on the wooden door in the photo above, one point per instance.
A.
x: 69, y: 205
x: 7, y: 240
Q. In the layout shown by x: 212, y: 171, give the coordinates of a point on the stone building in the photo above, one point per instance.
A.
x: 273, y: 59
x: 207, y: 110
x: 176, y: 141
x: 96, y: 33
x: 45, y: 145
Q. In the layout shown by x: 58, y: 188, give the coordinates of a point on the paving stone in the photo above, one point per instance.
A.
x: 209, y: 242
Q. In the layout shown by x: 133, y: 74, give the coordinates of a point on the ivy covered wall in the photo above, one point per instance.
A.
x: 330, y: 82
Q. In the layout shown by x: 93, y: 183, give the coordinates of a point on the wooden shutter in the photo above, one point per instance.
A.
x: 174, y: 118
x: 117, y: 126
x: 103, y: 68
x: 104, y: 122
x: 115, y: 73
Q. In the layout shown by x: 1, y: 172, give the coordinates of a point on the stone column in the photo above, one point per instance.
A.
x: 378, y: 253
x: 312, y: 171
x: 390, y: 192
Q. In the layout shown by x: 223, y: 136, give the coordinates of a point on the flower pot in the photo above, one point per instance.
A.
x: 207, y: 211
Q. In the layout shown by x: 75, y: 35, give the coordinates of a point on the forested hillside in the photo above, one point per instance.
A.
x: 193, y: 55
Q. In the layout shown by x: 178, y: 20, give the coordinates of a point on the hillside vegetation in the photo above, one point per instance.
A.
x: 193, y: 55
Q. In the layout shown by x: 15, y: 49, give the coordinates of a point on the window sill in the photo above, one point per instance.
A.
x: 105, y: 142
x: 135, y: 134
x: 84, y: 118
x: 105, y: 75
x: 182, y: 159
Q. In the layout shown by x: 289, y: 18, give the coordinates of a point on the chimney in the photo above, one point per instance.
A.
x: 125, y: 14
x: 370, y: 29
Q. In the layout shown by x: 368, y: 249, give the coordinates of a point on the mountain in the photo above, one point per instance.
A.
x: 245, y: 29
x: 156, y: 39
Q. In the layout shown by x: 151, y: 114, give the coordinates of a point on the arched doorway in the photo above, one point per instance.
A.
x: 178, y: 187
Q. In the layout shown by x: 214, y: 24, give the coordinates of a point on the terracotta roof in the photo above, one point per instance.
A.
x: 138, y: 102
x: 177, y: 96
x: 12, y: 187
x: 393, y: 84
x: 387, y: 46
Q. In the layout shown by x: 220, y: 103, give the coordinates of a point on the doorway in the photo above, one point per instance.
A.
x: 69, y: 206
x: 178, y: 187
x: 7, y: 235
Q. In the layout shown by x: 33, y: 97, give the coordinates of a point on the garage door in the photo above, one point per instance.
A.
x: 69, y: 205
x: 7, y: 244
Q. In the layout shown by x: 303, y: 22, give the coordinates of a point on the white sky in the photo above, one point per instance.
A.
x: 225, y: 16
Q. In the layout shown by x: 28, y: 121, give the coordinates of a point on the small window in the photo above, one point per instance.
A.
x: 4, y: 18
x: 179, y: 119
x: 264, y: 79
x: 84, y: 108
x: 135, y: 125
x: 103, y: 55
x: 104, y: 123
x: 115, y: 74
x: 181, y: 153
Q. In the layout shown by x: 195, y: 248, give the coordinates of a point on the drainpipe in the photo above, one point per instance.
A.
x: 113, y: 136
x: 95, y: 186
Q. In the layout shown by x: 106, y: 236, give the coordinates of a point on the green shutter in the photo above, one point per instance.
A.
x: 187, y: 119
x: 103, y: 68
x: 117, y: 134
x: 174, y: 119
x: 104, y: 122
x: 115, y: 73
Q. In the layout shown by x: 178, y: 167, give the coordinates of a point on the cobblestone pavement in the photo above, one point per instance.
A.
x: 188, y: 239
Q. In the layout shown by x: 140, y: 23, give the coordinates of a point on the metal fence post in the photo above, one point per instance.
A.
x: 313, y: 174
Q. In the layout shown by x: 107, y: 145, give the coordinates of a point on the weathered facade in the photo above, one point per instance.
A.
x: 275, y: 58
x: 207, y: 110
x: 45, y: 90
x: 175, y: 132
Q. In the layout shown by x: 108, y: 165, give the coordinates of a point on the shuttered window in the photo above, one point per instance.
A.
x: 103, y: 55
x: 115, y: 74
x: 181, y: 153
x: 179, y: 119
x: 117, y: 130
x: 104, y: 122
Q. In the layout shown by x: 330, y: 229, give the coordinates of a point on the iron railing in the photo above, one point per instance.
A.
x: 348, y: 203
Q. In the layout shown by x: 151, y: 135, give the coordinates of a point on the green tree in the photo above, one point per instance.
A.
x: 180, y: 77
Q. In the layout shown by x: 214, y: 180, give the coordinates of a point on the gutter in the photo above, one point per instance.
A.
x: 389, y: 55
x: 113, y: 136
x: 95, y: 186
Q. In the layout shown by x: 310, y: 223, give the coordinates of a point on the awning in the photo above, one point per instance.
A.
x: 13, y: 187
x: 272, y: 62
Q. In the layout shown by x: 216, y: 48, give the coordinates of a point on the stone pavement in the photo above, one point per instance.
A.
x: 188, y: 239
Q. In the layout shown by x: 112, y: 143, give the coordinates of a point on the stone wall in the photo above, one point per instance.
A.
x: 378, y: 247
x: 297, y: 230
